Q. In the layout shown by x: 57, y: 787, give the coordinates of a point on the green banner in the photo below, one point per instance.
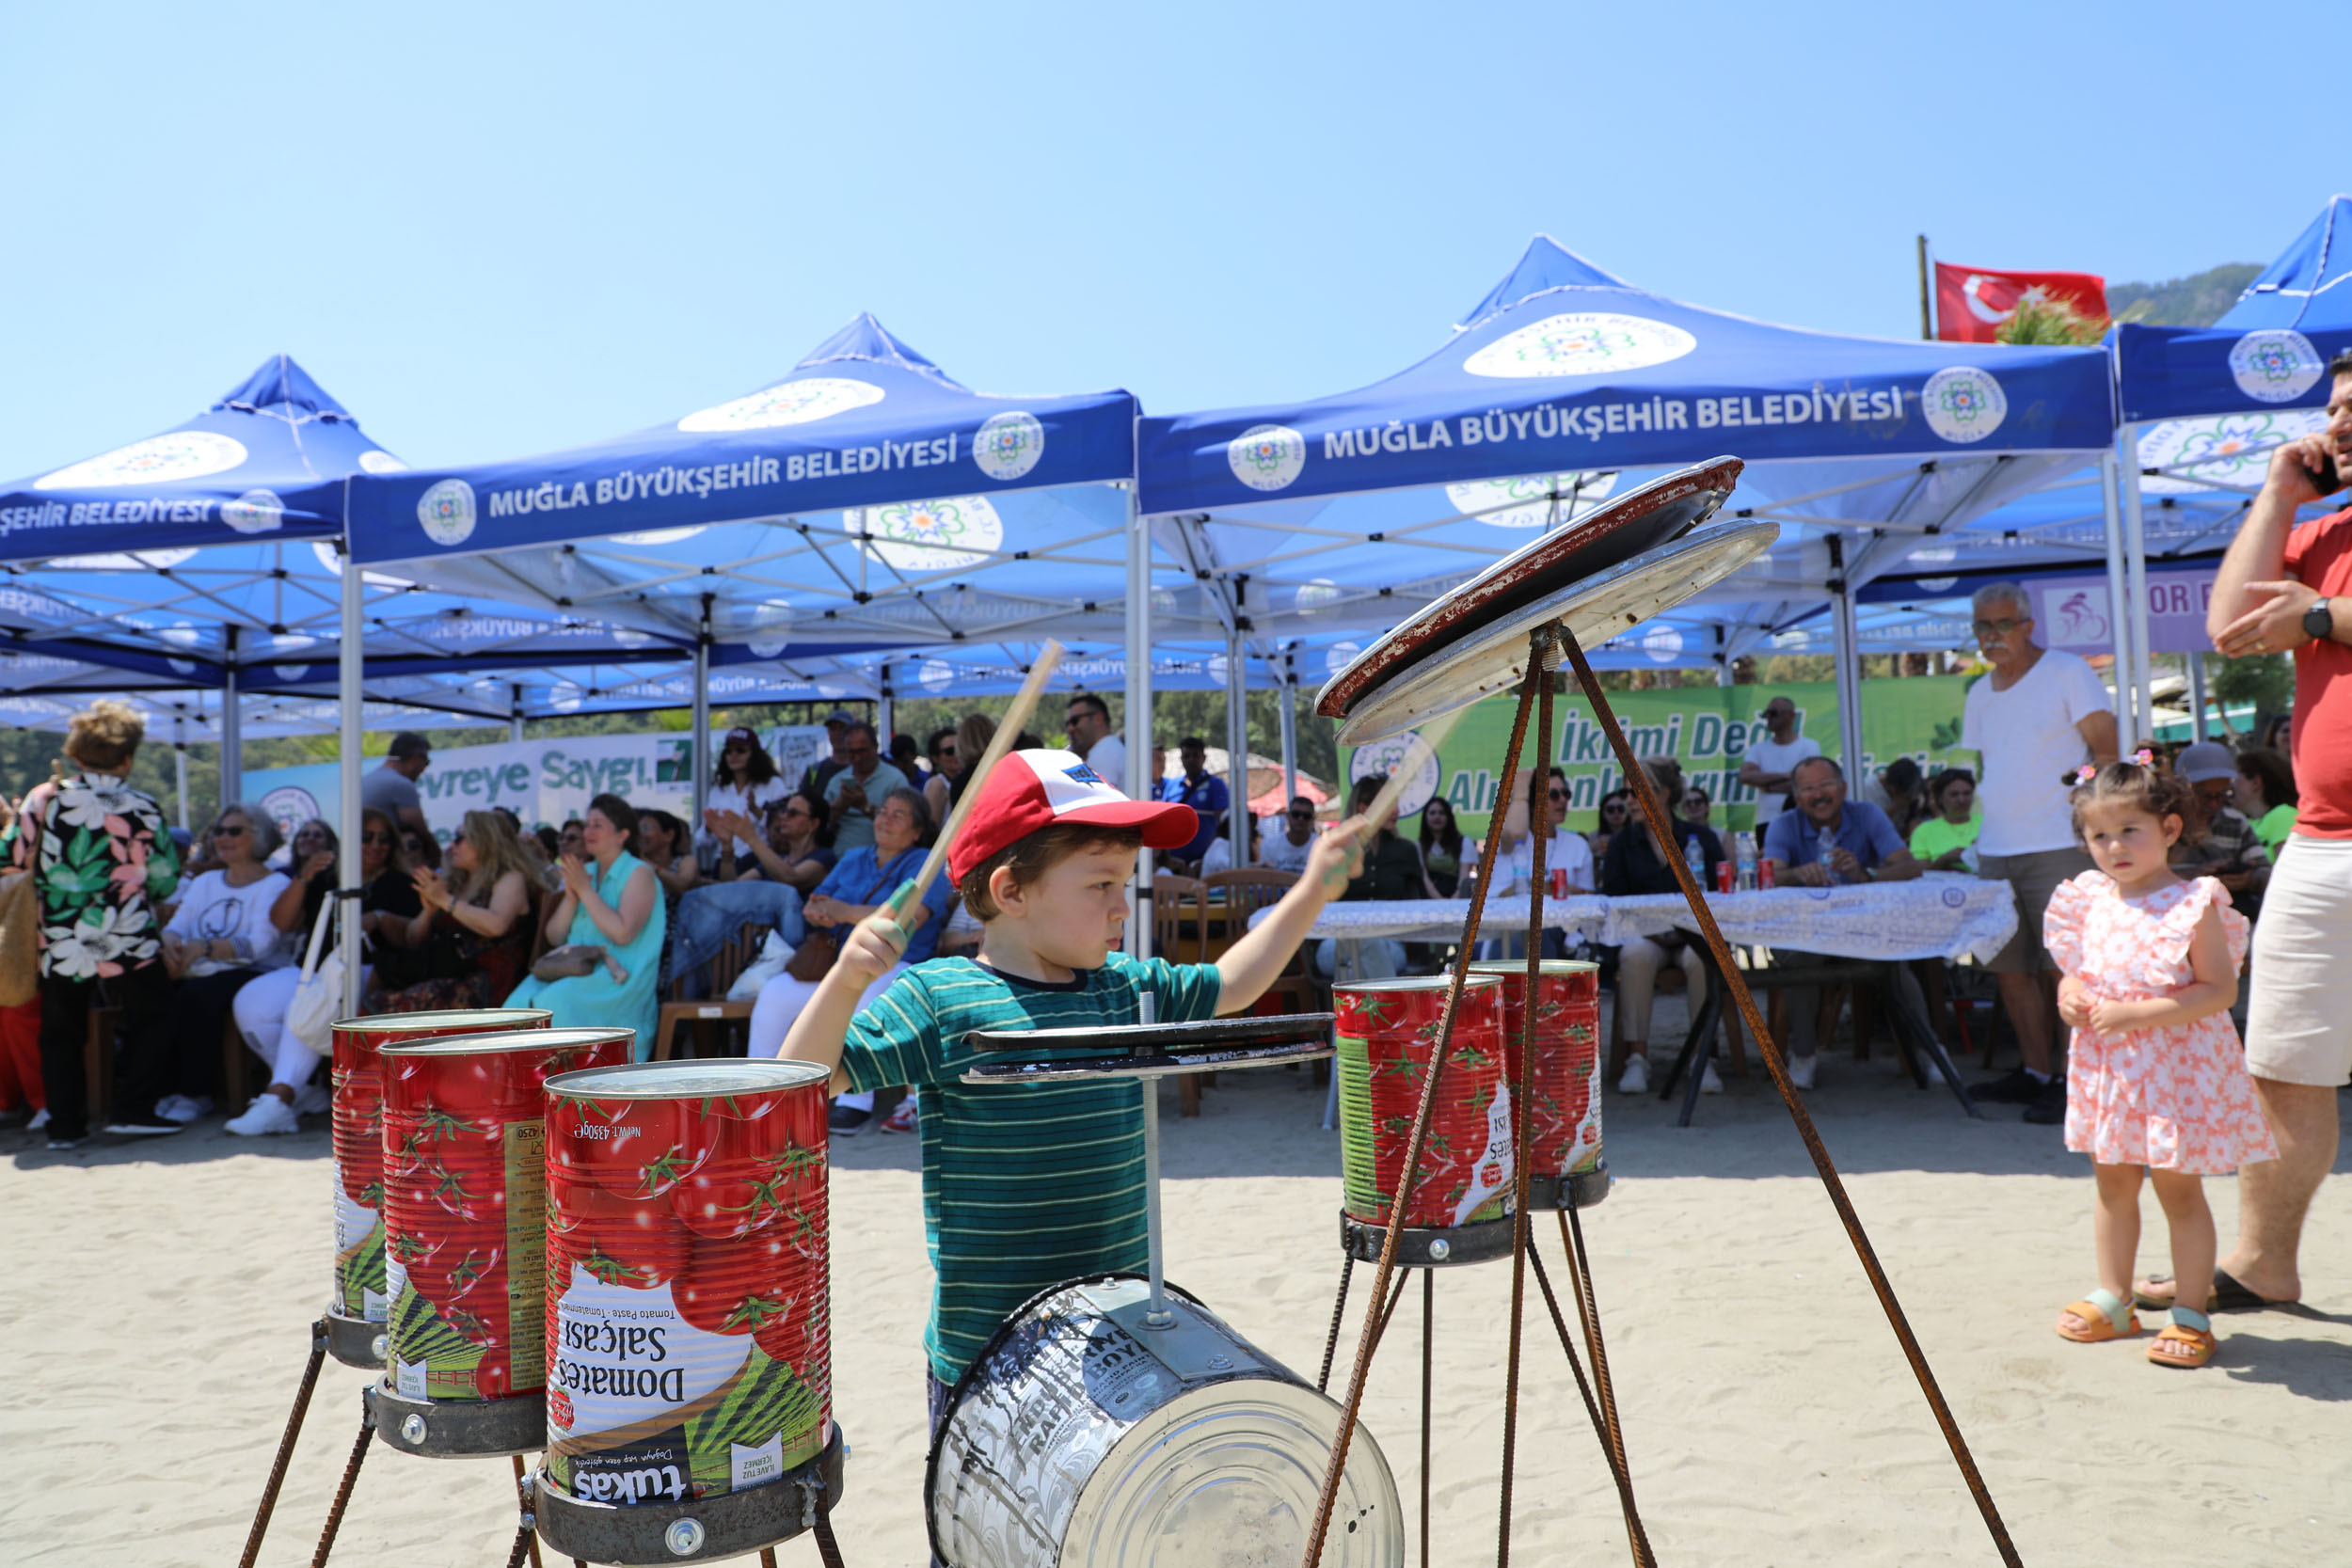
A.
x: 1704, y: 728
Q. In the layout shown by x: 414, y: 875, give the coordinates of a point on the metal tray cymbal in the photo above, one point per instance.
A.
x: 1612, y: 533
x: 1461, y: 671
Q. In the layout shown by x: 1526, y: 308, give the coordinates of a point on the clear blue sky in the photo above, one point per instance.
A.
x: 495, y: 228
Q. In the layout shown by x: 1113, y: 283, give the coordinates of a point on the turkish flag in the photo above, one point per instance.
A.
x: 1971, y: 303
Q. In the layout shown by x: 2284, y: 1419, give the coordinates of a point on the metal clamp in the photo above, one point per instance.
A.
x: 460, y: 1429
x: 732, y: 1524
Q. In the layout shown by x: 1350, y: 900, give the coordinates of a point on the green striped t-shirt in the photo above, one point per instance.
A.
x: 1023, y: 1185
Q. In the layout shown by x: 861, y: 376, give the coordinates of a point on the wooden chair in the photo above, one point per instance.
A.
x: 726, y: 967
x: 1169, y: 895
x: 1246, y: 894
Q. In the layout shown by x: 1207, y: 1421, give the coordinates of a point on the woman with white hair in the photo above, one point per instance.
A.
x: 220, y: 938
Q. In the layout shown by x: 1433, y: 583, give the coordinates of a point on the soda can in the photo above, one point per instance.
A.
x: 1764, y: 878
x: 465, y: 1206
x: 357, y: 1124
x: 1725, y: 874
x: 1563, y: 1109
x: 688, y: 1351
x: 1386, y: 1036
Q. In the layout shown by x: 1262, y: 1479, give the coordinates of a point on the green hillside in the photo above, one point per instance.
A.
x: 2195, y: 301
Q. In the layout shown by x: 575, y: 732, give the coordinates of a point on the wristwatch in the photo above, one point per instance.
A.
x: 2319, y: 622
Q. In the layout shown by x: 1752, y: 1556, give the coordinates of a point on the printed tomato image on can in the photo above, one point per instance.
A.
x: 360, y: 1286
x: 1564, y: 1113
x: 465, y: 1205
x: 687, y: 1345
x: 1386, y: 1036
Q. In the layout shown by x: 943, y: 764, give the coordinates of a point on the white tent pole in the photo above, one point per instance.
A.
x: 1237, y: 746
x: 179, y: 769
x: 1139, y: 703
x: 348, y: 660
x: 514, y: 713
x: 1848, y: 661
x: 2197, y: 694
x: 233, y: 731
x: 1290, y: 726
x: 698, y: 752
x: 885, y: 713
x: 2135, y: 566
x: 2119, y: 597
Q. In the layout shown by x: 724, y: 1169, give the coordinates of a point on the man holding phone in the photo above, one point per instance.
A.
x: 2282, y: 588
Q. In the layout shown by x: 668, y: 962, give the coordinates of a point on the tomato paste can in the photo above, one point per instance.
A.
x: 688, y: 1350
x: 465, y: 1206
x: 358, y: 1127
x: 1564, y: 1108
x: 1386, y: 1036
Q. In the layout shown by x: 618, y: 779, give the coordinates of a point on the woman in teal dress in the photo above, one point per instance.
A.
x: 613, y: 901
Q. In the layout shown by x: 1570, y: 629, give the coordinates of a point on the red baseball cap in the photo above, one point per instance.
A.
x: 1029, y: 790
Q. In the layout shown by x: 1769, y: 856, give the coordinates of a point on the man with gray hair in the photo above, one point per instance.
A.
x: 2035, y: 716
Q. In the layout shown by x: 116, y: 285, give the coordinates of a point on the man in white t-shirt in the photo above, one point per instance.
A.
x: 2034, y: 719
x: 1093, y: 737
x: 1283, y: 841
x: 1765, y: 767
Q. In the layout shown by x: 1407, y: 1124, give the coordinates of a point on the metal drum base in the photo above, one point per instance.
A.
x: 1428, y: 1249
x: 460, y: 1429
x: 731, y: 1525
x: 1579, y: 1189
x: 355, y: 1341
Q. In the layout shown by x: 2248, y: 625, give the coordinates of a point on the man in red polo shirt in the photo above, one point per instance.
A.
x: 2282, y: 587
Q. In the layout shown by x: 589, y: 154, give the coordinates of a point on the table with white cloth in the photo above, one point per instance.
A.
x: 1938, y: 915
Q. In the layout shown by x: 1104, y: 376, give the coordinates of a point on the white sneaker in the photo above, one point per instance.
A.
x: 1801, y: 1071
x: 1635, y: 1079
x: 267, y: 1114
x: 176, y: 1107
x: 311, y: 1100
x: 1709, y: 1082
x: 41, y: 1119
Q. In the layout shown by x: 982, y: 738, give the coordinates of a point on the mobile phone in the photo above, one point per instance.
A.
x: 2325, y: 478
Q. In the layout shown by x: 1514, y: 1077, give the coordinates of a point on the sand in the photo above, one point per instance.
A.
x: 157, y: 1305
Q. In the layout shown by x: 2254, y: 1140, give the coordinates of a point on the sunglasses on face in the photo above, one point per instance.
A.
x: 373, y: 838
x: 793, y: 811
x: 1302, y: 815
x: 228, y: 830
x: 1559, y: 794
x: 1614, y: 808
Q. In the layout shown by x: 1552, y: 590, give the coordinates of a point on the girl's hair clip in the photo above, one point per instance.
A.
x: 2145, y: 758
x: 2087, y: 772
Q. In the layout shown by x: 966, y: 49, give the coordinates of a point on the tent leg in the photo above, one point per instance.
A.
x: 180, y: 770
x: 514, y: 713
x: 698, y: 750
x: 2119, y: 598
x: 1849, y: 655
x: 2135, y: 569
x: 232, y: 729
x: 1290, y: 726
x: 1237, y: 747
x: 1139, y: 705
x: 2197, y: 694
x: 349, y: 655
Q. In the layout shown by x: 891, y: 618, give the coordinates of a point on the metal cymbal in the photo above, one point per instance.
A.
x: 1611, y: 533
x: 1459, y: 671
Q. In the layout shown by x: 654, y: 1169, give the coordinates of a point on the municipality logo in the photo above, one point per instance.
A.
x: 1008, y: 445
x: 927, y: 536
x: 1581, y: 342
x: 446, y: 511
x: 255, y: 512
x: 1267, y: 456
x: 2274, y: 366
x: 2186, y: 456
x: 817, y: 397
x: 1964, y: 404
x: 157, y: 460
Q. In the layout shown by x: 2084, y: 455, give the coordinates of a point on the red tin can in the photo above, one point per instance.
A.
x: 1564, y: 1115
x: 688, y: 1351
x: 465, y: 1206
x: 1387, y: 1034
x: 358, y: 1139
x: 1764, y: 878
x: 1727, y: 876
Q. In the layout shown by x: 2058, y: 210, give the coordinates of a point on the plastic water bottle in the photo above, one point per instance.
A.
x: 1743, y: 861
x: 1695, y: 857
x: 1822, y: 844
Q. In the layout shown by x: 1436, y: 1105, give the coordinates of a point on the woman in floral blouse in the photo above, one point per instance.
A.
x: 101, y: 860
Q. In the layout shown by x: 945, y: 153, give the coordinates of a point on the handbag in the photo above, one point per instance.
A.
x: 20, y: 939
x: 319, y: 995
x: 572, y: 961
x: 814, y: 956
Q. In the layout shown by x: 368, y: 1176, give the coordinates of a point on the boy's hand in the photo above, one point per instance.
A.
x: 874, y: 944
x: 1337, y: 857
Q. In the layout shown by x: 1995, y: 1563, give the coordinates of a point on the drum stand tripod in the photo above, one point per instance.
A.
x: 1546, y: 645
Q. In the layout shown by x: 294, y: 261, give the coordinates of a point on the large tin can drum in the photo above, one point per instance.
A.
x: 685, y: 1249
x: 358, y: 1125
x: 1387, y: 1036
x: 1081, y: 1436
x: 1562, y: 1152
x: 465, y: 1206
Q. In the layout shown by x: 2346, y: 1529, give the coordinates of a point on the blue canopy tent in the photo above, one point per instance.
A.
x: 864, y: 503
x: 2206, y: 406
x: 1566, y: 383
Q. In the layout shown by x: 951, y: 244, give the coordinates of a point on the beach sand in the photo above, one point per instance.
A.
x: 159, y: 1296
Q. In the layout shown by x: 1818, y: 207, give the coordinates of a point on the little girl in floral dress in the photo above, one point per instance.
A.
x: 2156, y: 1075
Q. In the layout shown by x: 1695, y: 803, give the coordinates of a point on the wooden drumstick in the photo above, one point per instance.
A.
x: 1016, y: 716
x: 1418, y: 752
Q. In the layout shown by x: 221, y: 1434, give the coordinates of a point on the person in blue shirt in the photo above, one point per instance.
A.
x: 1205, y: 793
x: 1829, y: 841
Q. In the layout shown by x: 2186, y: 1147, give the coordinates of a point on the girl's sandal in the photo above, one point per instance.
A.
x: 2184, y: 1344
x: 2103, y: 1316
